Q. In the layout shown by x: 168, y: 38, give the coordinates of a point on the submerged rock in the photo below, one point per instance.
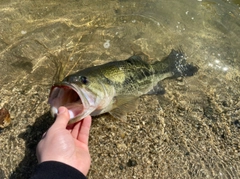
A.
x: 131, y: 163
x: 4, y: 118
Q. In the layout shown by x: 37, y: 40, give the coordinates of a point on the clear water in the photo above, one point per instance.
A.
x: 192, y: 131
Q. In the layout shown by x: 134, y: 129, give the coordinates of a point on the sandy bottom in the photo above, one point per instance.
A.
x: 192, y: 131
x: 186, y: 133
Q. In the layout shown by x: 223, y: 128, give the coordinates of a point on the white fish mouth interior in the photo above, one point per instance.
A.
x: 65, y: 96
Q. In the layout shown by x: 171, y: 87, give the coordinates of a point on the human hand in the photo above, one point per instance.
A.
x: 64, y: 144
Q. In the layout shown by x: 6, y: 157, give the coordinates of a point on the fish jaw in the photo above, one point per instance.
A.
x: 79, y: 102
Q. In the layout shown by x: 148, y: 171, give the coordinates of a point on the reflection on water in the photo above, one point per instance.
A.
x: 192, y: 131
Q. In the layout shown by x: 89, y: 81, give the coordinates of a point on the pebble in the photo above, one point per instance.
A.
x: 121, y: 146
x: 4, y: 118
x: 23, y: 32
x: 106, y: 44
x: 237, y: 123
x: 131, y: 163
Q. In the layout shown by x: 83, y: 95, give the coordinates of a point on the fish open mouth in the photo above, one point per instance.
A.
x: 66, y: 95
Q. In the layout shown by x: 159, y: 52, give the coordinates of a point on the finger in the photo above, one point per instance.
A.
x: 83, y: 134
x: 62, y: 118
x: 75, y: 129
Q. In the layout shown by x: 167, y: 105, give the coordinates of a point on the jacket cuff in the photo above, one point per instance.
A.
x: 54, y: 169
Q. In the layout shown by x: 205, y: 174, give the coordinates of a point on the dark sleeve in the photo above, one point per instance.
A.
x: 56, y: 170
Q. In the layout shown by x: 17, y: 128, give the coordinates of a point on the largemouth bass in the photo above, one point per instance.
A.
x: 114, y: 86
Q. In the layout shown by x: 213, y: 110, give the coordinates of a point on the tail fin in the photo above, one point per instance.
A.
x: 175, y: 63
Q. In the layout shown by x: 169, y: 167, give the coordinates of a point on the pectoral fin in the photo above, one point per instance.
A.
x: 123, y: 105
x: 158, y: 89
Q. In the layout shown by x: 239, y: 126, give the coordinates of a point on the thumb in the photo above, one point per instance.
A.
x: 62, y: 118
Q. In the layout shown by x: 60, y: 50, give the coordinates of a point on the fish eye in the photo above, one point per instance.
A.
x: 84, y: 80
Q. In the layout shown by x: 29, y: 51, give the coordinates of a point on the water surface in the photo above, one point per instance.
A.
x: 192, y: 131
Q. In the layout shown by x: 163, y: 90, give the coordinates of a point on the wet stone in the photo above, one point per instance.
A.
x: 4, y: 118
x: 121, y: 167
x: 2, y: 175
x: 225, y: 104
x: 237, y: 123
x: 209, y: 113
x: 131, y: 163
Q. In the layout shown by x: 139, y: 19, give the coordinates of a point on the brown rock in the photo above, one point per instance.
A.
x: 4, y: 118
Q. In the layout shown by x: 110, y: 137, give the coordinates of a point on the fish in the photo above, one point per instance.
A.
x: 115, y: 86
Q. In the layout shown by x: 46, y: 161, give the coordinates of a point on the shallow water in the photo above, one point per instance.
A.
x: 192, y: 131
